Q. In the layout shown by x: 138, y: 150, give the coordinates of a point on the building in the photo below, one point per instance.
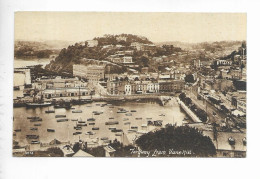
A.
x: 226, y: 149
x: 121, y: 38
x: 236, y: 74
x: 224, y: 62
x: 197, y: 63
x: 225, y: 74
x: 22, y: 77
x: 58, y: 82
x: 145, y: 70
x: 153, y: 88
x: 82, y: 153
x: 64, y: 92
x: 127, y: 59
x: 92, y: 43
x: 93, y: 73
x: 241, y: 104
x: 139, y: 88
x: 237, y: 97
x: 137, y: 45
x: 171, y: 86
x: 129, y: 52
x: 116, y: 87
x: 120, y: 87
x: 128, y: 89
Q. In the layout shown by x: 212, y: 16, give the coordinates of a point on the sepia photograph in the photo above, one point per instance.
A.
x: 129, y: 84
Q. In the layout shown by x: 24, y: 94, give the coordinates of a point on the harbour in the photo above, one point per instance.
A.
x: 65, y: 126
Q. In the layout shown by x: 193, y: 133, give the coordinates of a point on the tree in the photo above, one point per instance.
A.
x: 96, y: 151
x: 189, y: 78
x: 188, y: 101
x: 121, y: 150
x: 76, y: 147
x: 178, y: 138
x: 55, y: 152
x: 182, y: 96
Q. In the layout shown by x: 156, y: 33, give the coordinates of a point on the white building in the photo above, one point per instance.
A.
x: 91, y: 72
x: 127, y: 59
x: 128, y: 89
x: 241, y: 105
x: 121, y: 38
x: 153, y: 87
x: 224, y: 62
x: 137, y: 45
x: 64, y: 92
x: 92, y: 43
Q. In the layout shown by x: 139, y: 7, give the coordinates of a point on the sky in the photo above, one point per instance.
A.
x: 157, y: 27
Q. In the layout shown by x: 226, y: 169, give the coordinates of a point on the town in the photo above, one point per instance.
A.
x: 206, y: 82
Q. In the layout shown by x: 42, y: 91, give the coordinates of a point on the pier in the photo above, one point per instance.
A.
x: 189, y: 112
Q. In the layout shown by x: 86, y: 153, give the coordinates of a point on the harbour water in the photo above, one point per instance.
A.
x: 64, y: 130
x: 20, y: 63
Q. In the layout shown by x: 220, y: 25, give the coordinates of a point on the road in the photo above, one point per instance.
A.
x: 206, y: 106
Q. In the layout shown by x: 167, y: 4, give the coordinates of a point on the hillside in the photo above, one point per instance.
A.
x: 208, y: 46
x: 107, y: 46
x: 37, y: 49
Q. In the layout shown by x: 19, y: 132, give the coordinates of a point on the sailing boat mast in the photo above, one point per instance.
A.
x: 79, y: 93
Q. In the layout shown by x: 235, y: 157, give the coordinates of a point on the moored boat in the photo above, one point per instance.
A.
x: 32, y: 136
x: 36, y: 120
x: 77, y: 111
x: 90, y: 133
x: 134, y: 127
x: 82, y: 124
x: 60, y: 115
x: 50, y: 130
x: 91, y: 119
x: 41, y: 104
x: 104, y: 138
x: 132, y: 130
x: 77, y: 133
x: 62, y: 120
x: 116, y: 130
x: 35, y: 142
x: 111, y: 123
x: 49, y: 111
x: 122, y: 111
x: 95, y: 128
x: 77, y: 127
x: 33, y: 117
x: 144, y: 125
